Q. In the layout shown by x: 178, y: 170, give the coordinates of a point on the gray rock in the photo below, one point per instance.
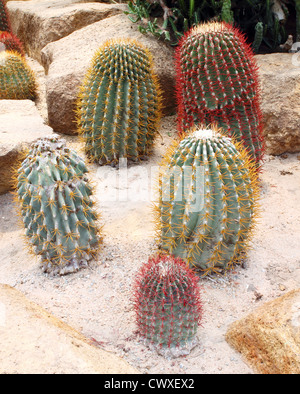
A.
x: 20, y: 126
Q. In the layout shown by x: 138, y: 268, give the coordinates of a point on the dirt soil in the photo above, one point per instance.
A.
x: 97, y: 301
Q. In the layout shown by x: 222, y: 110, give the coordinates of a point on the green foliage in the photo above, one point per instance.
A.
x: 253, y: 17
x: 4, y: 17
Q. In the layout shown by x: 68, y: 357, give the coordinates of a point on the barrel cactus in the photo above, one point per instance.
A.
x: 11, y: 43
x: 208, y: 199
x: 56, y: 205
x: 217, y: 82
x: 17, y: 80
x: 167, y: 305
x: 4, y: 17
x: 119, y: 103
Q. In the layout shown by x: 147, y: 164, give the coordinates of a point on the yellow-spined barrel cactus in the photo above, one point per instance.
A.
x: 167, y: 305
x: 208, y: 200
x: 217, y: 82
x: 119, y: 103
x: 56, y: 205
x: 17, y: 80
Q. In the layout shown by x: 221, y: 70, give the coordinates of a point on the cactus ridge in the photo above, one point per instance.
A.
x: 4, y: 17
x: 56, y: 205
x: 17, y: 81
x: 208, y: 201
x: 11, y: 42
x: 119, y: 103
x: 217, y: 82
x: 167, y: 304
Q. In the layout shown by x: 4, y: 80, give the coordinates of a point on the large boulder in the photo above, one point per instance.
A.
x: 36, y: 342
x: 269, y: 338
x: 39, y: 22
x: 280, y: 101
x: 20, y: 126
x: 66, y: 62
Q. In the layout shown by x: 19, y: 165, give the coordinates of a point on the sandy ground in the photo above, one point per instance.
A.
x: 97, y: 301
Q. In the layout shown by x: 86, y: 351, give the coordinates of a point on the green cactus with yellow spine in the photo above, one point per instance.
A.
x: 119, y: 104
x: 208, y: 195
x: 17, y: 80
x: 56, y: 206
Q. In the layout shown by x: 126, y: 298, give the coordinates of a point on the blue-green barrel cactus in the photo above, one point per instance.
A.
x: 119, y: 104
x: 57, y: 210
x: 208, y: 194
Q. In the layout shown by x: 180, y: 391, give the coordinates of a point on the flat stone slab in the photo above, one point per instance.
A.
x: 20, y: 126
x: 39, y: 22
x: 35, y: 342
x: 269, y: 338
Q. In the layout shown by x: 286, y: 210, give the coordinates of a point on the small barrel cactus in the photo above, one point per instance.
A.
x: 207, y: 201
x: 217, y: 82
x: 11, y: 43
x: 168, y: 306
x: 4, y: 17
x: 58, y: 213
x: 119, y: 103
x: 17, y: 80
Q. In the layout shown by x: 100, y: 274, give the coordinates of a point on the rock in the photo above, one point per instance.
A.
x: 280, y: 101
x: 35, y: 342
x: 66, y: 67
x: 20, y: 126
x: 269, y: 338
x: 39, y: 22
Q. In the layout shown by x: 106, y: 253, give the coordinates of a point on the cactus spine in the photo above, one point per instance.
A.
x: 17, y: 81
x: 217, y: 83
x: 168, y: 306
x: 58, y: 213
x: 208, y: 201
x: 11, y: 43
x: 4, y: 17
x: 119, y: 103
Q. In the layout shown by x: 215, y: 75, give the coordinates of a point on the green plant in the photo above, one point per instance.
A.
x: 54, y: 196
x: 4, y: 17
x: 17, y: 81
x: 181, y: 15
x: 167, y: 305
x: 119, y: 104
x: 216, y: 82
x: 208, y: 193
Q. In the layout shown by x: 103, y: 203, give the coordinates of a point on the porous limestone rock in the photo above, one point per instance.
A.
x: 20, y: 125
x: 39, y: 22
x: 269, y: 338
x: 66, y: 61
x: 280, y: 101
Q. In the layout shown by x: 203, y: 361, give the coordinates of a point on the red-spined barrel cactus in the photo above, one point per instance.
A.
x: 217, y: 83
x: 17, y: 80
x: 119, y: 103
x: 4, y: 17
x: 57, y: 209
x: 11, y: 43
x: 168, y: 306
x: 208, y: 201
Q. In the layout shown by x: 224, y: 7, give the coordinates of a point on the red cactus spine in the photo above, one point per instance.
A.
x: 11, y: 43
x: 217, y: 82
x: 4, y: 17
x: 168, y: 306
